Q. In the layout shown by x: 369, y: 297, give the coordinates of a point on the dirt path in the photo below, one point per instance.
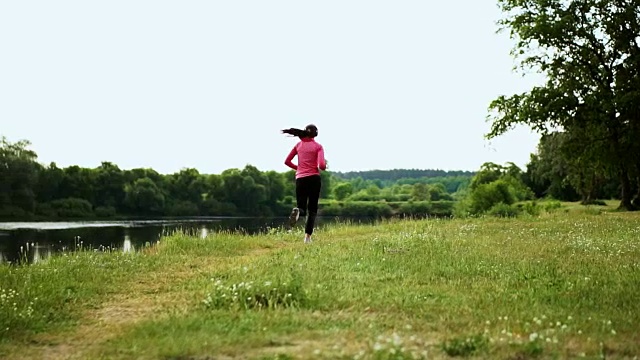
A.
x: 146, y: 296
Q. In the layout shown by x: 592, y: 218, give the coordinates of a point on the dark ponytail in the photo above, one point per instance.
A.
x: 310, y: 131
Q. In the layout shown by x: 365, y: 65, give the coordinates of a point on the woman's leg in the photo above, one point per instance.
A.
x: 302, y: 194
x: 314, y: 186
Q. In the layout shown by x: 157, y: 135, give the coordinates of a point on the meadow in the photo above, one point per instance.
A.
x: 563, y: 284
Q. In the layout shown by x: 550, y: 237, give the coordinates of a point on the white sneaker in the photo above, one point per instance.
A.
x: 293, y: 218
x: 307, y: 240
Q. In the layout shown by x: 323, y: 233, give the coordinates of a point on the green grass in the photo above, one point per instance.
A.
x: 37, y: 297
x: 559, y: 285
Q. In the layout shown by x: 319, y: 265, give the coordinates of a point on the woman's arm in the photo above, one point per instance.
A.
x: 290, y: 157
x: 322, y: 163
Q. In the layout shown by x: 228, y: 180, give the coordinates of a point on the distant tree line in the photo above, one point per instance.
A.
x: 30, y: 190
x: 398, y: 174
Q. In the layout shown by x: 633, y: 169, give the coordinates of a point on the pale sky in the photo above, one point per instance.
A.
x: 209, y: 84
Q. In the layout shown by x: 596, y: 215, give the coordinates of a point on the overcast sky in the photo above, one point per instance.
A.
x: 209, y: 84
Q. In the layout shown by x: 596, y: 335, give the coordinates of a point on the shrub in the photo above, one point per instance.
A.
x: 504, y: 210
x: 486, y: 196
x: 72, y: 208
x: 552, y: 205
x: 531, y: 208
x: 356, y: 209
x: 415, y: 208
x: 183, y: 208
x: 105, y: 211
x: 442, y: 208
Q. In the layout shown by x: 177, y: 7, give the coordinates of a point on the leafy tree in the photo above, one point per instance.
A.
x: 342, y: 191
x: 231, y: 185
x: 359, y: 184
x: 243, y: 191
x: 590, y: 53
x: 144, y: 197
x: 289, y: 178
x: 488, y: 173
x: 327, y: 184
x: 183, y: 208
x: 72, y: 208
x: 548, y: 170
x: 420, y: 192
x: 78, y: 183
x: 18, y: 175
x: 187, y: 185
x: 109, y: 185
x: 438, y: 192
x: 495, y: 184
x: 49, y: 180
x: 275, y: 186
x: 373, y: 190
x: 134, y: 174
x: 213, y: 185
x: 251, y: 195
x: 253, y: 172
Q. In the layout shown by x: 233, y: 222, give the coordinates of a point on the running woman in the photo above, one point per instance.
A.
x: 308, y: 182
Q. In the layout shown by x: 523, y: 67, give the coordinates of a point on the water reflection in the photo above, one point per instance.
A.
x: 35, y: 242
x: 127, y: 246
x: 36, y: 254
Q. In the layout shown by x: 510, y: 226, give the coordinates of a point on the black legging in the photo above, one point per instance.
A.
x: 307, y: 196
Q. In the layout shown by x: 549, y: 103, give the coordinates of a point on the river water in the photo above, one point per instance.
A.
x: 29, y: 242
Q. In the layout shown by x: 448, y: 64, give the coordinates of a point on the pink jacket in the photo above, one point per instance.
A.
x: 310, y: 158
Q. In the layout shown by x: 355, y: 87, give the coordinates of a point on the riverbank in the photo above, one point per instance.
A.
x: 557, y: 285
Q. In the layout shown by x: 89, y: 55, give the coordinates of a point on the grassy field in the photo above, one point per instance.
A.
x: 560, y: 285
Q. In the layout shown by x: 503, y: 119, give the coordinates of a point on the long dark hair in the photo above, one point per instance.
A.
x: 310, y: 131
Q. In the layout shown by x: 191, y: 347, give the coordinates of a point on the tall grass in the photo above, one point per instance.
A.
x: 558, y: 285
x: 35, y: 297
